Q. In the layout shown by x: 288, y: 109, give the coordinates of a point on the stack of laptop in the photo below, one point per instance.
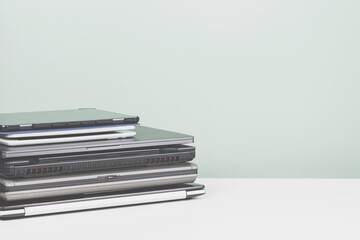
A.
x: 61, y: 161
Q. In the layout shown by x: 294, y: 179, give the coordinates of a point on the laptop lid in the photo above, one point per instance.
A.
x: 61, y: 119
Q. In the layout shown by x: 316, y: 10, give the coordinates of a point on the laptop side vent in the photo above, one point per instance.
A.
x: 52, y: 169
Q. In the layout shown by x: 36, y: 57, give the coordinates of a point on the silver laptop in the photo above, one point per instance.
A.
x: 96, y: 181
x: 67, y: 131
x: 145, y: 137
x: 20, y: 209
x: 65, y: 139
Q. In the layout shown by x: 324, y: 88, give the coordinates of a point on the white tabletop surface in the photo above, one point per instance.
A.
x: 231, y: 209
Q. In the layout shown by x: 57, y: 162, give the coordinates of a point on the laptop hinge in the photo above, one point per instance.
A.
x: 195, y: 193
x: 12, y: 213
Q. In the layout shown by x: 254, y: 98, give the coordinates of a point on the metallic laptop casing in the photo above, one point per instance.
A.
x: 31, y: 167
x: 145, y: 137
x: 93, y: 182
x: 9, y: 210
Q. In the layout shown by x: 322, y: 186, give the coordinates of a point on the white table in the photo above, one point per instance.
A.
x: 231, y: 209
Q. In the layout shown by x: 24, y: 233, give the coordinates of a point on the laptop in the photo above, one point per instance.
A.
x: 83, y: 117
x: 19, y: 209
x: 37, y: 166
x: 145, y: 137
x: 65, y: 139
x: 94, y: 182
x: 67, y: 131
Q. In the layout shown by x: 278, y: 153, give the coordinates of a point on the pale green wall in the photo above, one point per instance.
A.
x: 272, y: 87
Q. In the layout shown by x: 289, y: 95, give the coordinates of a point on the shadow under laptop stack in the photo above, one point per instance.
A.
x: 154, y: 164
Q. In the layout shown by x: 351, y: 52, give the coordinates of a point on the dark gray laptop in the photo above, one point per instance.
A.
x: 145, y: 137
x: 96, y: 182
x: 37, y: 166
